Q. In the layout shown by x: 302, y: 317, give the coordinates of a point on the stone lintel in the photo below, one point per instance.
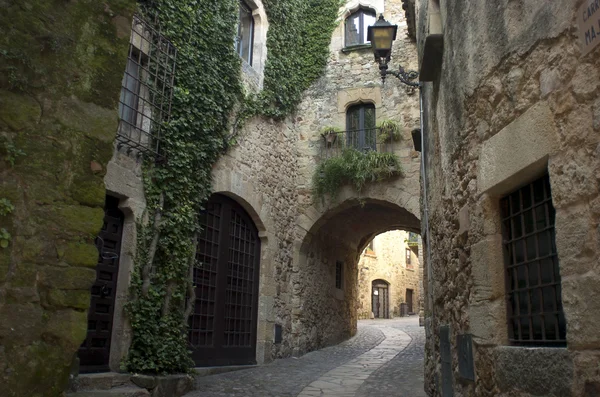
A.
x: 519, y: 152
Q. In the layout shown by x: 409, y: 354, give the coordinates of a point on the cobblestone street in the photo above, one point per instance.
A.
x: 385, y: 356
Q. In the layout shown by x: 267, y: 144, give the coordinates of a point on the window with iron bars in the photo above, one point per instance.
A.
x: 339, y: 271
x: 533, y: 284
x: 146, y: 89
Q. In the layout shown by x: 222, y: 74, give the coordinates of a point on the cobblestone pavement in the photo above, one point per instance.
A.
x: 385, y: 355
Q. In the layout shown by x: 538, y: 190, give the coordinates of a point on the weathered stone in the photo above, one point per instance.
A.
x: 550, y: 80
x: 68, y: 327
x: 81, y: 254
x: 19, y: 112
x: 586, y: 80
x: 69, y: 278
x: 21, y: 323
x: 66, y: 298
x: 538, y: 371
x: 79, y: 219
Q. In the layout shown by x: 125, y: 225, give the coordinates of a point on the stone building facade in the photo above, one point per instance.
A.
x: 309, y: 248
x: 388, y: 276
x: 511, y: 109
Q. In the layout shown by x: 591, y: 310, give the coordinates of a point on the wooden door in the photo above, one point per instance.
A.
x: 223, y: 326
x: 94, y: 352
x: 409, y: 301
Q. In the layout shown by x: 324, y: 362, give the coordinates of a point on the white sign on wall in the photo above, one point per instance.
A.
x: 588, y: 19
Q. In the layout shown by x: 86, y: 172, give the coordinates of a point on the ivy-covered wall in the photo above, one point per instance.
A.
x: 61, y: 65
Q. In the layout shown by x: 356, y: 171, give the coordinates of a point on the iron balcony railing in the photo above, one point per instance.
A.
x: 368, y: 139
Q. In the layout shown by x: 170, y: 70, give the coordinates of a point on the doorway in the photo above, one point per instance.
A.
x: 94, y: 352
x: 409, y: 301
x: 380, y: 299
x: 223, y: 325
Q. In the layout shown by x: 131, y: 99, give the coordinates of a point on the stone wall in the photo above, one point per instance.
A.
x: 387, y: 261
x: 513, y: 98
x: 62, y: 65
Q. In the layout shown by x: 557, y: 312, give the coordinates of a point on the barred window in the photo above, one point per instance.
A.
x: 408, y: 258
x: 533, y: 284
x: 146, y: 89
x: 361, y: 129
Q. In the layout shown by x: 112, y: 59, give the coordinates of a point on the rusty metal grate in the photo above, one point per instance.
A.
x: 146, y: 89
x: 533, y: 285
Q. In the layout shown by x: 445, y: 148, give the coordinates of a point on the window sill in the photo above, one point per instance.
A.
x: 356, y: 47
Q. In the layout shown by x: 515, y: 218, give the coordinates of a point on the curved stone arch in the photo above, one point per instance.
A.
x: 375, y: 5
x: 355, y: 96
x: 230, y: 183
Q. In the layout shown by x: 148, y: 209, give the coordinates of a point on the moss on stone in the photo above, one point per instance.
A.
x: 25, y: 275
x: 88, y: 192
x: 77, y: 219
x: 68, y: 278
x: 64, y: 298
x: 18, y: 111
x: 81, y: 254
x: 68, y: 327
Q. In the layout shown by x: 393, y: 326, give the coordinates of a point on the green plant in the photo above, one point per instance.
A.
x: 330, y: 134
x: 11, y: 152
x: 6, y: 207
x: 355, y: 168
x: 204, y: 102
x: 389, y: 130
x: 4, y: 238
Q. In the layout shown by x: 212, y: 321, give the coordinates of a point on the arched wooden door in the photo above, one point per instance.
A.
x: 223, y: 325
x: 380, y: 299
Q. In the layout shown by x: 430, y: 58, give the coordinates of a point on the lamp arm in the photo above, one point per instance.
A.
x: 405, y: 76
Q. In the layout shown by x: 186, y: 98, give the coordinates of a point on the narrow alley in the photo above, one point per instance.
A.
x: 385, y: 356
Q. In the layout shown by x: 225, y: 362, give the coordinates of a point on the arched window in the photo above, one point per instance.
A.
x: 356, y: 26
x: 360, y: 127
x: 244, y: 42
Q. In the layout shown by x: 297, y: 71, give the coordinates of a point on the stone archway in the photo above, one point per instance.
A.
x: 322, y: 313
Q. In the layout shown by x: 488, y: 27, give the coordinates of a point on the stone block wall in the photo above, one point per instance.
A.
x: 514, y: 99
x: 61, y: 69
x: 388, y: 262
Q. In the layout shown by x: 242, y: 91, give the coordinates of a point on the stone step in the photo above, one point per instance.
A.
x: 206, y: 371
x: 116, y: 392
x: 101, y: 381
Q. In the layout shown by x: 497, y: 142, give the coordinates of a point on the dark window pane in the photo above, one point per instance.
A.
x: 519, y: 247
x: 517, y: 228
x: 536, y: 301
x: 528, y: 221
x: 544, y: 243
x: 531, y: 249
x: 549, y: 299
x: 540, y: 217
x: 536, y: 324
x: 533, y: 274
x: 507, y: 231
x: 527, y: 199
x: 538, y: 190
x: 525, y: 334
x: 547, y: 268
x: 522, y: 276
x: 550, y: 326
x: 524, y: 302
x: 515, y: 203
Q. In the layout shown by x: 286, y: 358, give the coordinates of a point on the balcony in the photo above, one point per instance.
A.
x: 412, y: 240
x: 365, y: 140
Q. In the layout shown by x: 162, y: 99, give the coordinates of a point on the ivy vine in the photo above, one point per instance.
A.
x: 208, y: 90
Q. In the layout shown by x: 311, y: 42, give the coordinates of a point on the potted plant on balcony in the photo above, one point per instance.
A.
x: 389, y: 130
x: 330, y: 134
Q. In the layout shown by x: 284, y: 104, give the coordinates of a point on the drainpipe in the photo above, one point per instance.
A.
x: 425, y: 204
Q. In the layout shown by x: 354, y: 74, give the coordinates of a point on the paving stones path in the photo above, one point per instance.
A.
x: 384, y: 356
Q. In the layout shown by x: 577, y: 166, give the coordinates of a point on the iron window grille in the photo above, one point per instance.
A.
x: 356, y: 26
x: 244, y: 42
x: 339, y: 268
x: 533, y: 284
x: 146, y: 89
x: 361, y: 128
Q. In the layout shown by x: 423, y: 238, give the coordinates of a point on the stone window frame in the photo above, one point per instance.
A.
x: 516, y: 155
x: 377, y: 6
x: 360, y: 13
x: 253, y: 73
x: 239, y: 40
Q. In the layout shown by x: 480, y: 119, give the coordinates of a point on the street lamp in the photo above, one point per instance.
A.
x: 381, y: 35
